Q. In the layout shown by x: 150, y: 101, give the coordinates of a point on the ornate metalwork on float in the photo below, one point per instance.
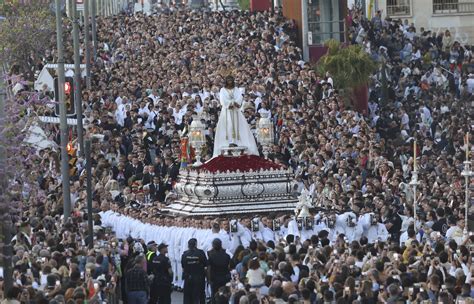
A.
x: 204, y: 192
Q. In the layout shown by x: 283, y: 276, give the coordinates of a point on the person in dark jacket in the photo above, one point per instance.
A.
x: 194, y: 263
x: 137, y: 284
x: 160, y: 268
x: 218, y: 269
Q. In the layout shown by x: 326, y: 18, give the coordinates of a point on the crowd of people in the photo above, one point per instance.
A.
x: 155, y: 73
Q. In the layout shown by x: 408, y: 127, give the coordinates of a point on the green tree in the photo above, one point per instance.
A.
x: 244, y: 4
x: 25, y: 33
x: 350, y: 67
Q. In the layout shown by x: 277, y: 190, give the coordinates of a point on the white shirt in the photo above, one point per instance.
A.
x: 455, y: 233
x: 470, y: 85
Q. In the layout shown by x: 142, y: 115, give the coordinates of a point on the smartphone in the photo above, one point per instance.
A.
x: 254, y: 225
x: 309, y: 223
x: 58, y: 283
x: 299, y: 222
x: 276, y: 225
x: 233, y: 226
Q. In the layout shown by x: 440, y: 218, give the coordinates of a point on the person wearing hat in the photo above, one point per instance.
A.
x: 160, y: 268
x: 151, y: 253
x: 194, y: 263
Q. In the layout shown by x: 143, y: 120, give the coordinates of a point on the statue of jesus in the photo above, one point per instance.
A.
x: 232, y: 128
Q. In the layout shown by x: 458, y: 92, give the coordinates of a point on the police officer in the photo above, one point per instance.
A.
x: 160, y: 268
x: 194, y: 263
x: 151, y: 252
x: 219, y: 267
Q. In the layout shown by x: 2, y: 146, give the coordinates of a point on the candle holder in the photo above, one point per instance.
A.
x: 197, y: 139
x: 467, y: 173
x: 265, y: 134
x: 414, y: 183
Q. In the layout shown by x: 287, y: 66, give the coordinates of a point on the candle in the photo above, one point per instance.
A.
x: 414, y: 155
x: 466, y: 142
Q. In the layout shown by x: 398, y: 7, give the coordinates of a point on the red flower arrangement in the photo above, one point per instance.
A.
x: 243, y: 163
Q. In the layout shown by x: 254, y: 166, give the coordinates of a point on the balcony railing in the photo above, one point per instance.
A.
x: 398, y: 8
x: 453, y: 6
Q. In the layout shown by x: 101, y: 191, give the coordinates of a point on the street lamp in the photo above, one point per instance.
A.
x: 197, y: 139
x: 467, y: 173
x: 414, y: 183
x: 265, y: 134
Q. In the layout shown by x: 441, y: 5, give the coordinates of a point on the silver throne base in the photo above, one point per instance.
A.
x: 234, y: 187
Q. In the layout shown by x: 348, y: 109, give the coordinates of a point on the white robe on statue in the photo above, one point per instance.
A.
x: 232, y: 128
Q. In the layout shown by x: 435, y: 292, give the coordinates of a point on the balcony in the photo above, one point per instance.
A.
x: 398, y: 8
x: 453, y: 6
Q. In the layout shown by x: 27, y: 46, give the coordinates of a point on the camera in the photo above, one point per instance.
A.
x: 276, y: 225
x: 254, y: 225
x: 350, y: 221
x: 233, y: 226
x: 373, y: 220
x: 299, y: 222
x: 330, y: 223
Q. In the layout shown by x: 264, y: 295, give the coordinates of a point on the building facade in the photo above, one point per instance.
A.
x: 317, y: 21
x: 457, y: 16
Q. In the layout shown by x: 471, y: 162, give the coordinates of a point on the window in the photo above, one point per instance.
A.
x: 398, y: 8
x: 453, y: 6
x: 323, y: 23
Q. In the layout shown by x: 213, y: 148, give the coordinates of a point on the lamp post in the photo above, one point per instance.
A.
x: 197, y: 138
x: 414, y: 183
x: 265, y: 134
x: 467, y: 173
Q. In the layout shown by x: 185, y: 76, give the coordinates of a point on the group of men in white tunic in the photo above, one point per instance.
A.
x: 234, y: 233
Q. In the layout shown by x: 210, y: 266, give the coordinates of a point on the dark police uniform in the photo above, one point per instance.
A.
x: 219, y: 265
x: 194, y: 263
x: 160, y: 267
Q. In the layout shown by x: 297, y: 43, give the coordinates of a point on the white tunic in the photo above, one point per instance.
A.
x: 232, y: 128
